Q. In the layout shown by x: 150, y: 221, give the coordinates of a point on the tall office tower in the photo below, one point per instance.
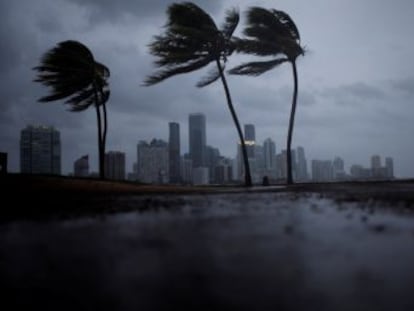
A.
x: 115, y: 165
x: 213, y: 156
x: 269, y: 150
x: 294, y: 164
x: 322, y: 170
x: 339, y: 168
x: 281, y: 164
x: 375, y: 162
x: 152, y: 160
x: 40, y: 150
x: 174, y: 152
x: 389, y: 166
x: 81, y: 167
x: 187, y: 169
x: 249, y: 139
x: 197, y: 139
x: 302, y: 167
x: 376, y: 166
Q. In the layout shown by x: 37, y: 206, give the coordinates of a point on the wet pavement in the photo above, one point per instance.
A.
x: 241, y: 251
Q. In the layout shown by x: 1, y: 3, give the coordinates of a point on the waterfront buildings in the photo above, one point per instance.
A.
x: 152, y: 162
x: 40, y: 150
x: 115, y: 165
x: 197, y: 139
x: 174, y: 157
x: 81, y: 167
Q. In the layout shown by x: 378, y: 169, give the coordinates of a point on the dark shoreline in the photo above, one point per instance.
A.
x: 44, y: 197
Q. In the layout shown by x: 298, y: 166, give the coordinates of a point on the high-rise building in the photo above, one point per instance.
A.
x: 187, y: 169
x: 302, y: 167
x: 269, y: 152
x: 322, y: 170
x: 174, y: 153
x: 197, y: 139
x: 250, y: 139
x: 213, y: 157
x: 81, y: 167
x: 375, y: 162
x: 152, y: 161
x: 40, y: 150
x: 377, y: 171
x: 200, y: 176
x: 339, y: 168
x: 281, y: 164
x: 389, y: 166
x: 115, y: 165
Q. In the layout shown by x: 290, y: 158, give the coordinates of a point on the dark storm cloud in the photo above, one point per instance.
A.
x: 404, y: 85
x: 110, y: 10
x: 344, y: 105
x: 355, y: 93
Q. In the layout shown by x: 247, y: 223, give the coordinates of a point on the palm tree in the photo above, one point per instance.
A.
x: 272, y: 33
x: 72, y: 73
x: 192, y: 41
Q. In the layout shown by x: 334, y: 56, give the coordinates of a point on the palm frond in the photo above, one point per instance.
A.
x: 256, y: 68
x: 190, y: 15
x: 70, y: 70
x: 289, y: 24
x: 175, y: 70
x: 257, y: 47
x: 230, y: 23
x: 212, y: 76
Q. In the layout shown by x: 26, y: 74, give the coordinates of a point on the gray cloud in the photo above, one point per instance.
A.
x: 352, y: 102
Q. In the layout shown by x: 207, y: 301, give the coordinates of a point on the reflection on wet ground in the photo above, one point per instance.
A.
x: 242, y: 251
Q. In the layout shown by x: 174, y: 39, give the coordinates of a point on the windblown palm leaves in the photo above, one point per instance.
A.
x: 192, y: 41
x: 271, y: 33
x: 72, y: 73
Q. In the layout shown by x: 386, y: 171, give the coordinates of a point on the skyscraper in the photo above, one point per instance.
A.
x: 152, y: 161
x: 322, y: 170
x: 302, y: 167
x: 174, y: 152
x: 339, y: 168
x: 40, y: 150
x: 115, y: 165
x: 249, y: 139
x: 389, y: 166
x: 197, y: 139
x: 377, y: 172
x: 269, y: 150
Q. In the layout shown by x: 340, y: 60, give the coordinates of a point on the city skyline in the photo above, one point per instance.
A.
x: 160, y: 162
x: 355, y: 96
x: 373, y: 160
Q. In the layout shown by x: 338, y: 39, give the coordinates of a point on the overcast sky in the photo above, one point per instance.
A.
x: 356, y: 82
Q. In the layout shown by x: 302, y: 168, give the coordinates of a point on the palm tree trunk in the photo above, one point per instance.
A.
x: 247, y: 177
x: 100, y: 140
x: 291, y: 124
x: 105, y: 130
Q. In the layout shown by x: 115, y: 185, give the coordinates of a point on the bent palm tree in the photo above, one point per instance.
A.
x: 192, y: 41
x: 272, y: 33
x: 71, y: 71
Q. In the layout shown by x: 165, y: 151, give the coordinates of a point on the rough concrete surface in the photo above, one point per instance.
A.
x: 301, y: 250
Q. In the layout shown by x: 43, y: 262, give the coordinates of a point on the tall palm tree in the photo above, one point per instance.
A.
x: 72, y: 73
x: 272, y: 33
x: 192, y: 41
